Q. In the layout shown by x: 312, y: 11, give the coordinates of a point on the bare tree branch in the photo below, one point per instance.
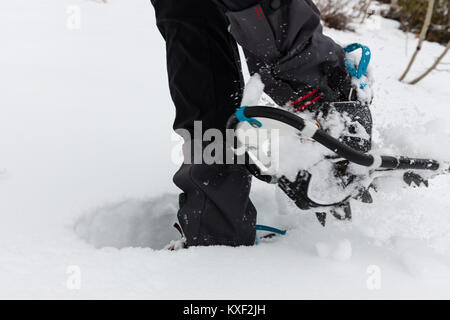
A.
x: 422, y: 36
x: 366, y: 11
x: 435, y: 64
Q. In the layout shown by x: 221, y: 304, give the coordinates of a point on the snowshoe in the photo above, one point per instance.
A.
x: 344, y: 169
x: 342, y: 212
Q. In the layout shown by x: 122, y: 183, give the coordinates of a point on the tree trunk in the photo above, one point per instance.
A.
x: 422, y: 36
x: 435, y: 64
x: 366, y: 11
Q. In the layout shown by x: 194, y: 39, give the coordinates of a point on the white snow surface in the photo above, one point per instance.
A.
x: 85, y: 174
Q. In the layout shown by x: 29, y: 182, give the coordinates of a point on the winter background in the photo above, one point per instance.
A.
x: 86, y: 198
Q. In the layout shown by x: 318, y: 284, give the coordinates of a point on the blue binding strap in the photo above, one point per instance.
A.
x: 260, y: 227
x: 240, y: 115
x: 363, y: 64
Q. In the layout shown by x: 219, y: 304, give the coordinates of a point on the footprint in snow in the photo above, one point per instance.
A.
x: 131, y: 223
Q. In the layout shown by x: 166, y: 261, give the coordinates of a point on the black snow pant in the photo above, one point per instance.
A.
x: 206, y: 85
x: 283, y: 42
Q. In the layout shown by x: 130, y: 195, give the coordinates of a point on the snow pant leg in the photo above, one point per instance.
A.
x: 206, y: 85
x: 215, y: 208
x: 202, y: 61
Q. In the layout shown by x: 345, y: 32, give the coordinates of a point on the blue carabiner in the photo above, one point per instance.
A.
x: 242, y: 117
x: 363, y: 64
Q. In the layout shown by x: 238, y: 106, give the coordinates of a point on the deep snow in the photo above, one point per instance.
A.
x: 85, y: 173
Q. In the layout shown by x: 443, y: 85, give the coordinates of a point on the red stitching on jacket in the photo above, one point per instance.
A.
x: 304, y: 97
x: 309, y: 103
x: 257, y: 13
x: 261, y: 10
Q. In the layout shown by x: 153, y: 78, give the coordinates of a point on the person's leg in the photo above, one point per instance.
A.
x: 215, y: 208
x: 205, y: 84
x: 204, y: 77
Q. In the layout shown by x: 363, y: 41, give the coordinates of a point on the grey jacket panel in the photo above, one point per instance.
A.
x: 254, y: 33
x: 285, y: 44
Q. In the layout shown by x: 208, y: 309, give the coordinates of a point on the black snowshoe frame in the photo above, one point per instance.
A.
x: 297, y: 190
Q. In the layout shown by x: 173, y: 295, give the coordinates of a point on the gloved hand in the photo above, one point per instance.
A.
x: 284, y: 43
